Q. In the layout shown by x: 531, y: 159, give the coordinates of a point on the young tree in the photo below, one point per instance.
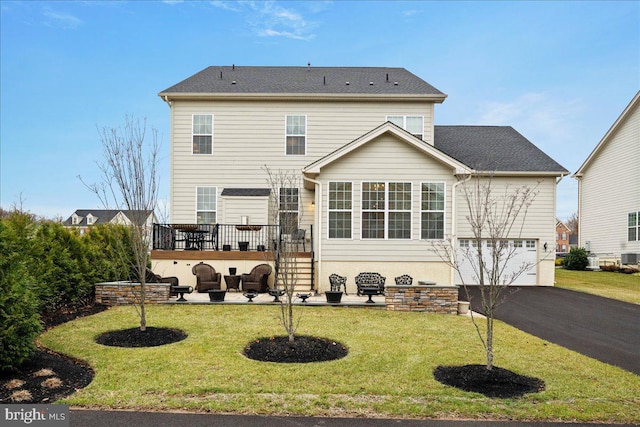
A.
x: 494, y: 216
x: 573, y: 222
x: 284, y: 210
x: 130, y: 181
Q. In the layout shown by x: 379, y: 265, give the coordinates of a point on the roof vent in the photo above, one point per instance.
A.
x: 233, y: 82
x: 395, y: 83
x: 347, y: 83
x: 370, y: 83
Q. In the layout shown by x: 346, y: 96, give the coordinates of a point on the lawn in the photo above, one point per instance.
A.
x: 623, y: 287
x: 387, y: 373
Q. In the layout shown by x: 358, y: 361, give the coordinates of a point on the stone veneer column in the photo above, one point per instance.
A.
x: 423, y: 298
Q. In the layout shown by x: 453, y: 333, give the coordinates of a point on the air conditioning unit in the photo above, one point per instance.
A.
x: 630, y: 259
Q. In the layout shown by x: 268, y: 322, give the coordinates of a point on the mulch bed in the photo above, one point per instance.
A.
x: 134, y: 337
x: 305, y: 349
x: 497, y: 382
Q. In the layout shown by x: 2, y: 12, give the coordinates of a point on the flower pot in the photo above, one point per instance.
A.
x: 333, y: 297
x: 244, y: 246
x: 232, y: 271
x: 463, y: 307
x: 226, y: 248
x: 217, y: 295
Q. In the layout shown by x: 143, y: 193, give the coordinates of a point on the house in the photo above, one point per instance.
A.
x: 609, y: 191
x: 563, y: 234
x: 381, y: 182
x: 82, y: 219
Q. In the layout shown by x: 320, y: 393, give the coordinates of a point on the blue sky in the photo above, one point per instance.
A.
x: 558, y: 72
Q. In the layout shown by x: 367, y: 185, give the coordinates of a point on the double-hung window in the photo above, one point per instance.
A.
x: 206, y: 205
x: 633, y: 226
x: 296, y: 135
x: 412, y: 124
x: 288, y: 204
x: 340, y: 209
x: 386, y: 210
x: 202, y: 133
x: 432, y: 210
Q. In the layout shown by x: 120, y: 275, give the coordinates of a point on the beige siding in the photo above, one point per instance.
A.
x: 383, y: 159
x: 610, y: 190
x: 248, y: 135
x: 234, y: 208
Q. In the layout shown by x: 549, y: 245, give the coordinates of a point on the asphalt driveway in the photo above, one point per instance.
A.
x: 601, y: 328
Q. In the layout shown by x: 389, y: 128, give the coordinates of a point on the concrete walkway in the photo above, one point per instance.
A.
x: 604, y: 329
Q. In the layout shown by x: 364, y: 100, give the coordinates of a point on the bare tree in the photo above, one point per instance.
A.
x: 130, y: 181
x: 573, y: 222
x: 497, y: 218
x: 284, y: 209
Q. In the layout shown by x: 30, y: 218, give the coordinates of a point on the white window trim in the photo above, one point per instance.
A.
x: 341, y: 210
x: 215, y: 189
x: 637, y: 226
x: 444, y: 211
x: 280, y: 211
x: 202, y: 134
x: 386, y: 210
x: 404, y: 122
x: 306, y: 134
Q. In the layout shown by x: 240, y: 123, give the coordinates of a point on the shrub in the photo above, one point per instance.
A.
x: 19, y: 318
x: 559, y: 262
x: 576, y: 259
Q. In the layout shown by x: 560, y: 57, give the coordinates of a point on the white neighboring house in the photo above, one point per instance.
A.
x: 82, y: 219
x: 381, y: 180
x: 609, y: 191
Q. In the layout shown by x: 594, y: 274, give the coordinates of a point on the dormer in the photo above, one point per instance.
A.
x: 91, y: 219
x: 75, y: 219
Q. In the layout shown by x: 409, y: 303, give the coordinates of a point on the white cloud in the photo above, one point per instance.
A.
x: 61, y: 20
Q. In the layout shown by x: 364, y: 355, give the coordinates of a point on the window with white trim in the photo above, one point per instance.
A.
x: 296, y: 135
x: 288, y: 205
x: 432, y: 208
x: 633, y: 226
x: 206, y: 205
x: 340, y: 210
x: 412, y: 124
x: 386, y: 210
x: 202, y: 133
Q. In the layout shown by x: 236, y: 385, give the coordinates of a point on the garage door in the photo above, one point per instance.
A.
x: 517, y: 255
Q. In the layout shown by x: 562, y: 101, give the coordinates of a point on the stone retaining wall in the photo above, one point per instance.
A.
x: 123, y: 293
x: 424, y: 298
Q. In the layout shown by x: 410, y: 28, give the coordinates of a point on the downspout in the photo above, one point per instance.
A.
x: 318, y: 220
x: 454, y: 219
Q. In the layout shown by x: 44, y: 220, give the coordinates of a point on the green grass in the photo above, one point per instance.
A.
x: 387, y: 373
x: 623, y: 287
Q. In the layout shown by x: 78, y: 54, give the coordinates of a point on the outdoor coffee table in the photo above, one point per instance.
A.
x: 369, y: 291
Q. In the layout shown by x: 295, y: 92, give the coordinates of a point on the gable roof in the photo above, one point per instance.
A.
x: 491, y: 149
x: 104, y: 216
x: 494, y: 149
x: 390, y: 128
x: 237, y: 81
x: 635, y: 102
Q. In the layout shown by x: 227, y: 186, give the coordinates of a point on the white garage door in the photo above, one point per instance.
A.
x: 519, y: 258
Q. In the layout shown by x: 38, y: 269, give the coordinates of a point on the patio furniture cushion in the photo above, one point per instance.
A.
x: 258, y: 279
x: 206, y: 277
x: 370, y: 280
x: 151, y: 277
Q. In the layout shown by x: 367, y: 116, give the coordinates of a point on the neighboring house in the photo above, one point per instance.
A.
x: 82, y: 219
x: 563, y: 234
x: 381, y: 180
x: 609, y: 191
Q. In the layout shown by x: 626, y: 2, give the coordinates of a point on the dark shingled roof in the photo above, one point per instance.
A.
x: 246, y: 192
x: 493, y: 148
x: 104, y: 216
x: 304, y: 80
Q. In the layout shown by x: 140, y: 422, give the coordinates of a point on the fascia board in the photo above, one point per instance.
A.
x: 169, y: 96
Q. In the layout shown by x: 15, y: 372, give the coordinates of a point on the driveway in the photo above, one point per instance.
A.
x: 604, y: 329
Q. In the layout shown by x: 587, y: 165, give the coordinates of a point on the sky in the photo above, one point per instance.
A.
x: 559, y: 72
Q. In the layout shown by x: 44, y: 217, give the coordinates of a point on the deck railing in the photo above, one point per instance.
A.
x: 222, y: 237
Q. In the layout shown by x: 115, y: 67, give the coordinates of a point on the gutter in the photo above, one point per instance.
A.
x: 318, y: 219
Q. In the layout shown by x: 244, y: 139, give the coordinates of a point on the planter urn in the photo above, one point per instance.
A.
x: 333, y: 297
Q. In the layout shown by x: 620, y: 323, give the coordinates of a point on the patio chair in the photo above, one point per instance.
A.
x: 206, y: 277
x: 338, y: 282
x: 404, y: 280
x: 370, y: 280
x: 258, y: 279
x: 151, y: 277
x: 297, y: 237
